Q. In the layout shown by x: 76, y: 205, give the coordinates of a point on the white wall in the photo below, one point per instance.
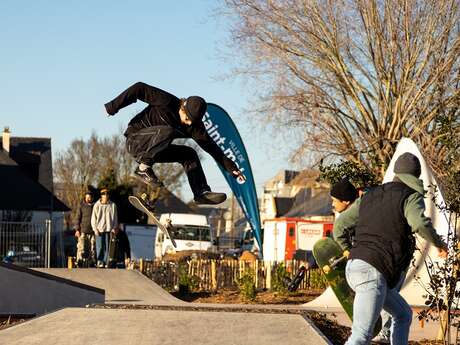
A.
x: 274, y: 241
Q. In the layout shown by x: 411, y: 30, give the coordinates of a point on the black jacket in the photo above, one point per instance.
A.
x: 163, y: 110
x: 383, y: 238
x: 83, y: 218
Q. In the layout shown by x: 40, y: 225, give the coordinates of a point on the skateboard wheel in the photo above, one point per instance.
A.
x: 326, y: 269
x: 144, y: 196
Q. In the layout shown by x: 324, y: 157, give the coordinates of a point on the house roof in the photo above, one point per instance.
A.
x: 208, y: 210
x: 6, y: 160
x: 33, y: 155
x: 283, y: 205
x: 21, y: 192
x: 20, y: 174
x: 305, y: 205
x: 172, y: 204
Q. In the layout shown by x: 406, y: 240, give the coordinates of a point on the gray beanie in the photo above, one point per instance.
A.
x: 407, y: 163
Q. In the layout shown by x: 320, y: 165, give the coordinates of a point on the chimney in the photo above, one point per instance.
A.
x: 6, y: 139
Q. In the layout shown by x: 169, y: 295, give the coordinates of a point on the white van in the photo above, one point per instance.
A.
x: 190, y: 231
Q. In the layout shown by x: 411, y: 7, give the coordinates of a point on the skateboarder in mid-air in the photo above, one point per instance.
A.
x: 150, y: 133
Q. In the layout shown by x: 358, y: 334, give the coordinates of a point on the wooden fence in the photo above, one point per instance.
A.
x: 211, y: 275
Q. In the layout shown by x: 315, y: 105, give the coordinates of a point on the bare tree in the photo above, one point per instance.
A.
x: 353, y: 75
x: 75, y: 169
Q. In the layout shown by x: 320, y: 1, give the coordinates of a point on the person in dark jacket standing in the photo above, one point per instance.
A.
x: 385, y: 220
x: 150, y: 133
x: 86, y: 245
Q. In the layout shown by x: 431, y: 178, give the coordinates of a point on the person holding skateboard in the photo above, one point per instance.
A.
x: 343, y: 194
x: 385, y: 220
x: 150, y: 133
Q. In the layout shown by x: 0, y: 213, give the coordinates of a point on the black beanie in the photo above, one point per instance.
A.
x: 407, y: 163
x: 195, y: 107
x: 344, y: 191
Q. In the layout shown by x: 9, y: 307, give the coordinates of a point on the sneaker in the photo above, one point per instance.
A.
x: 210, y: 198
x: 149, y: 177
x: 381, y: 339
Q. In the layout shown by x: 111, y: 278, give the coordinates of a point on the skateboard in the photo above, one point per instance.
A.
x: 142, y: 206
x: 113, y: 251
x: 330, y: 258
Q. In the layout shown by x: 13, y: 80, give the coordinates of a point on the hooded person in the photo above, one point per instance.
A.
x: 385, y: 220
x: 150, y: 134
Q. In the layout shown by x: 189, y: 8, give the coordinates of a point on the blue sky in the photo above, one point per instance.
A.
x: 60, y: 61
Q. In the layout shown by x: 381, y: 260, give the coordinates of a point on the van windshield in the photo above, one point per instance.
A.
x: 191, y: 233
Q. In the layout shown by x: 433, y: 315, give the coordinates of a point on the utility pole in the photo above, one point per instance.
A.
x: 232, y: 218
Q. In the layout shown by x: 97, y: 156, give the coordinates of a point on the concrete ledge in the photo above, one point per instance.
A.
x: 26, y: 291
x: 120, y: 285
x: 41, y: 274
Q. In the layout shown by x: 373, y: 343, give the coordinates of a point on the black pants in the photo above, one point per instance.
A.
x: 153, y: 145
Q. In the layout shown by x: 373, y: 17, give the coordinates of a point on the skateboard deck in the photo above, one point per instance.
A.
x: 141, y: 206
x: 329, y: 256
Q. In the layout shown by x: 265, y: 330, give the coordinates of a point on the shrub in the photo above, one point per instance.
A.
x: 247, y: 286
x: 186, y: 282
x: 317, y: 279
x: 280, y: 279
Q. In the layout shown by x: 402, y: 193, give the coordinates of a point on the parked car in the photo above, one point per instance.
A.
x: 24, y: 255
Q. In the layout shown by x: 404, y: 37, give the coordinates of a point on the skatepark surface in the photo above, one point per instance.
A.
x: 170, y: 321
x: 107, y: 326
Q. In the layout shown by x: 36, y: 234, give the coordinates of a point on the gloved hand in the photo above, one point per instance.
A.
x: 108, y: 109
x: 238, y: 175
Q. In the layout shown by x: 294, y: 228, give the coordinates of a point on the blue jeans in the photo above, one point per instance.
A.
x: 102, y: 247
x: 373, y: 295
x: 386, y: 317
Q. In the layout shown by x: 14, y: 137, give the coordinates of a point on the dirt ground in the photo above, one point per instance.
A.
x: 7, y: 321
x: 263, y: 297
x: 336, y: 333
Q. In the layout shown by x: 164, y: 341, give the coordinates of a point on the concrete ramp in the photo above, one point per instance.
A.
x: 26, y: 291
x: 121, y: 286
x: 74, y: 326
x: 142, y: 313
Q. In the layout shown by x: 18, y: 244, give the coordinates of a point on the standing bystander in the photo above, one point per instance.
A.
x: 86, y: 245
x: 104, y: 220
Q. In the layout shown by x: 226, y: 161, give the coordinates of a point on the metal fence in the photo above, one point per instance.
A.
x: 25, y: 243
